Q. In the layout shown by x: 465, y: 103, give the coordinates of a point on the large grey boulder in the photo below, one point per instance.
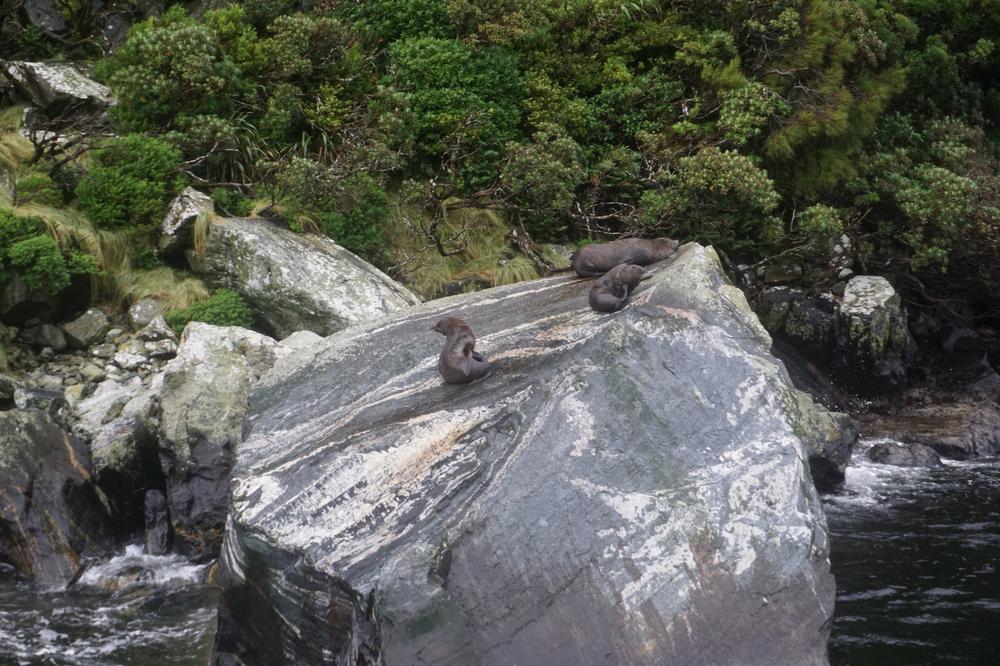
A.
x: 51, y: 514
x: 296, y: 281
x: 872, y: 338
x: 202, y: 406
x: 177, y: 229
x: 623, y: 489
x: 54, y: 86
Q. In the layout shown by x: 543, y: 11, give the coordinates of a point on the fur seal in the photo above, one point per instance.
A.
x: 610, y: 292
x: 599, y: 258
x: 459, y: 363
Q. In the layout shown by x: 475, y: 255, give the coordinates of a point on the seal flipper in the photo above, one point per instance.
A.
x: 467, y: 364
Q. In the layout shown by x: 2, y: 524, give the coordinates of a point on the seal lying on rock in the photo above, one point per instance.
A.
x: 610, y: 292
x: 598, y: 259
x: 459, y: 363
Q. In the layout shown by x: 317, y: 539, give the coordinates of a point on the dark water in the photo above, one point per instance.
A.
x: 916, y: 553
x: 133, y: 610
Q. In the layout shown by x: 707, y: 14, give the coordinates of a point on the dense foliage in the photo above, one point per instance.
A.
x: 28, y: 249
x: 760, y: 127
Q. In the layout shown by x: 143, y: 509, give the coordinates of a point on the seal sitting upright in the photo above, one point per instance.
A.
x: 610, y: 292
x: 599, y: 258
x: 459, y: 363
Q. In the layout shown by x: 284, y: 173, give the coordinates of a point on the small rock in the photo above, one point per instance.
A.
x: 47, y: 354
x: 161, y: 349
x: 73, y: 395
x: 113, y: 334
x: 131, y: 356
x: 143, y: 312
x: 44, y: 335
x: 845, y: 274
x: 92, y: 373
x: 7, y: 387
x: 87, y: 329
x: 49, y: 383
x: 46, y: 400
x: 158, y: 329
x: 106, y: 350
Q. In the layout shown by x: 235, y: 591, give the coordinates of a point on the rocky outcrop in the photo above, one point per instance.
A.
x: 962, y: 429
x: 903, y: 455
x: 829, y: 438
x: 55, y: 86
x: 202, y: 407
x: 177, y: 229
x: 296, y: 281
x: 623, y: 489
x: 51, y: 514
x: 872, y: 338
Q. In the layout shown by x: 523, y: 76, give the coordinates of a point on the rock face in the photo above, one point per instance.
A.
x: 872, y: 338
x: 296, y: 282
x: 962, y: 429
x: 202, y: 405
x: 623, y: 489
x: 829, y: 438
x: 54, y: 86
x: 50, y: 512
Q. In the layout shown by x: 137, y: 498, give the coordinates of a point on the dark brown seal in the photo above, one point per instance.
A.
x: 610, y: 292
x: 459, y: 363
x: 598, y: 259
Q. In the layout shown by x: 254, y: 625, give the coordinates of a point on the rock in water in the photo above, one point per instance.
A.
x: 621, y: 490
x: 296, y: 281
x: 50, y: 511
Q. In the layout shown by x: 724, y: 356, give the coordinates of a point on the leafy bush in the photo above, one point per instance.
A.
x: 131, y: 183
x: 26, y: 247
x: 223, y: 308
x: 541, y: 179
x: 464, y: 103
x: 349, y: 208
x: 231, y: 202
x: 717, y: 197
x: 36, y: 188
x: 170, y: 66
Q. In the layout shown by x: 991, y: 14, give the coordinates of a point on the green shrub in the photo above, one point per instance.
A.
x: 718, y: 197
x: 169, y: 67
x: 231, y: 203
x: 223, y: 308
x: 27, y: 248
x: 36, y: 188
x: 131, y: 184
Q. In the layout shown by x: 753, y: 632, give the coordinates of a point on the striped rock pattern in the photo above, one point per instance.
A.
x: 627, y: 488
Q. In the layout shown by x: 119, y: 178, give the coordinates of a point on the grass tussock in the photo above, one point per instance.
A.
x: 119, y: 283
x: 477, y: 242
